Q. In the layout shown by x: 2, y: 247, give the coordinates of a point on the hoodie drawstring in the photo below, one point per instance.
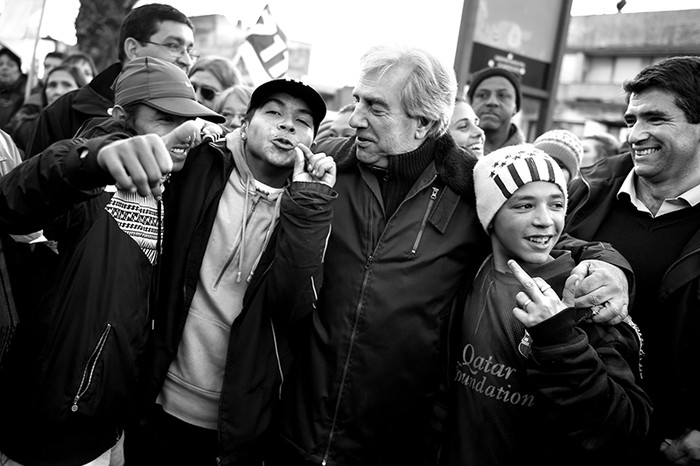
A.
x: 244, y: 222
x: 268, y: 235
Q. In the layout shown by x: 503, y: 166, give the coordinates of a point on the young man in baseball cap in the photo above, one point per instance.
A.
x: 224, y: 306
x: 70, y: 378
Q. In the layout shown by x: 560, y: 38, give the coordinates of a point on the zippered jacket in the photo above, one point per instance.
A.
x: 671, y: 383
x: 280, y: 294
x: 69, y: 380
x: 365, y: 379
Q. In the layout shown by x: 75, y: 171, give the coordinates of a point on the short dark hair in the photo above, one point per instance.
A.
x: 76, y: 57
x: 55, y: 54
x: 679, y: 76
x: 142, y: 22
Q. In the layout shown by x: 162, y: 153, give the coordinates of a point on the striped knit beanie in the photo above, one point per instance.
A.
x: 500, y: 173
x: 563, y: 146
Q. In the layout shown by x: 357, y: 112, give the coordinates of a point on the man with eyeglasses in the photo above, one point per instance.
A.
x: 154, y: 30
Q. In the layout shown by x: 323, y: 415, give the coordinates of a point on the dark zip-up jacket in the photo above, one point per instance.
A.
x: 674, y: 384
x: 365, y: 379
x: 69, y: 380
x: 280, y: 293
x: 63, y: 118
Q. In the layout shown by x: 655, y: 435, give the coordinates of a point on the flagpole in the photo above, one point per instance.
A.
x: 32, y: 71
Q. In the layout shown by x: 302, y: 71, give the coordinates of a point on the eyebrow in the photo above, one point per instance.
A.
x: 646, y: 115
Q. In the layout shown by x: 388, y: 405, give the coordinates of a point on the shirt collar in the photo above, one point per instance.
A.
x: 689, y: 198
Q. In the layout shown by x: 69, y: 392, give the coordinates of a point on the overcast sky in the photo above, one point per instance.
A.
x: 339, y: 31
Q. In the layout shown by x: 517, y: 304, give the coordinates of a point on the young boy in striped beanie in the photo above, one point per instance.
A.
x: 532, y: 377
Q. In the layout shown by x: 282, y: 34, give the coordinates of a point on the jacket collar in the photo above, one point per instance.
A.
x: 453, y: 165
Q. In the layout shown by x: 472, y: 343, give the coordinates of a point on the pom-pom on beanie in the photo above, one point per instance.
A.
x: 564, y: 146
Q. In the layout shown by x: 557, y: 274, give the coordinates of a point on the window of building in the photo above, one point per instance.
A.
x: 627, y: 67
x: 600, y: 70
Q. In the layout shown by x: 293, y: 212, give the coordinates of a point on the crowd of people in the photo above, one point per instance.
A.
x: 196, y: 271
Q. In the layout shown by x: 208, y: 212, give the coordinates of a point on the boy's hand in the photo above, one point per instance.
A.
x: 604, y: 289
x: 310, y: 167
x: 538, y: 302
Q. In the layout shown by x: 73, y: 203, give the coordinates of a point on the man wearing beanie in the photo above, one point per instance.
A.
x: 565, y: 148
x: 544, y: 382
x: 495, y: 95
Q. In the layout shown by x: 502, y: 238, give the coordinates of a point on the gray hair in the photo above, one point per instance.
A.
x: 429, y: 90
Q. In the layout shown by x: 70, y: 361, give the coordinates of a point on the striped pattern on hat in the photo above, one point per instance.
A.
x: 500, y: 173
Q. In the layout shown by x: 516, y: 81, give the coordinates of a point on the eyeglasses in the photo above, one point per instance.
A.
x: 175, y: 49
x: 207, y: 92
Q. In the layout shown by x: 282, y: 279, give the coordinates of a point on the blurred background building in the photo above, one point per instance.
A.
x: 604, y: 50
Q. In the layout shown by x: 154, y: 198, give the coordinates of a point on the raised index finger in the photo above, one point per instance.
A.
x: 305, y: 151
x: 525, y: 280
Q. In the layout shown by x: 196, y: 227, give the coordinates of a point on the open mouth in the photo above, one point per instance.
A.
x: 645, y: 152
x: 179, y: 150
x: 476, y: 147
x: 539, y: 240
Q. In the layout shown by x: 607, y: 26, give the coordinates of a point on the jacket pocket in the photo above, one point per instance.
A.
x: 89, y: 368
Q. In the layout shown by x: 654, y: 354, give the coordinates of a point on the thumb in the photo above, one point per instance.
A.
x: 567, y: 295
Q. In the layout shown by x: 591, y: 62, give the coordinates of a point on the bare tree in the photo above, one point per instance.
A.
x: 97, y: 29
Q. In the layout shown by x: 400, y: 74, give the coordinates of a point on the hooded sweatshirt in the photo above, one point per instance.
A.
x: 192, y: 388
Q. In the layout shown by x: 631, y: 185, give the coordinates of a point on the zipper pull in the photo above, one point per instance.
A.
x: 74, y: 408
x: 435, y: 193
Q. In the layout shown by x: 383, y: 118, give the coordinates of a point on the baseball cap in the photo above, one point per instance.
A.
x: 294, y: 88
x: 160, y: 85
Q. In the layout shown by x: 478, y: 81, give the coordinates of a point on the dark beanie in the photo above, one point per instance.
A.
x: 485, y: 73
x: 12, y: 56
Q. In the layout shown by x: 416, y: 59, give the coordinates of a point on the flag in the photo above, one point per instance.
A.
x: 264, y: 54
x: 20, y: 20
x: 20, y: 27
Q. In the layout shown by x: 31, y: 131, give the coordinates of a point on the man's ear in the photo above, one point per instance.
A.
x: 118, y: 113
x: 424, y: 125
x: 131, y: 48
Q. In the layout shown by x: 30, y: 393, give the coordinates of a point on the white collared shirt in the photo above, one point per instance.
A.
x: 685, y: 200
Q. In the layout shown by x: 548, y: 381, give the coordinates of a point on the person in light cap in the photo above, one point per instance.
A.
x: 532, y: 376
x: 564, y: 147
x: 226, y: 301
x: 71, y: 378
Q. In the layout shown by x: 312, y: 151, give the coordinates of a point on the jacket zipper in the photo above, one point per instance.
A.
x: 89, y: 370
x: 353, y: 335
x: 433, y: 196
